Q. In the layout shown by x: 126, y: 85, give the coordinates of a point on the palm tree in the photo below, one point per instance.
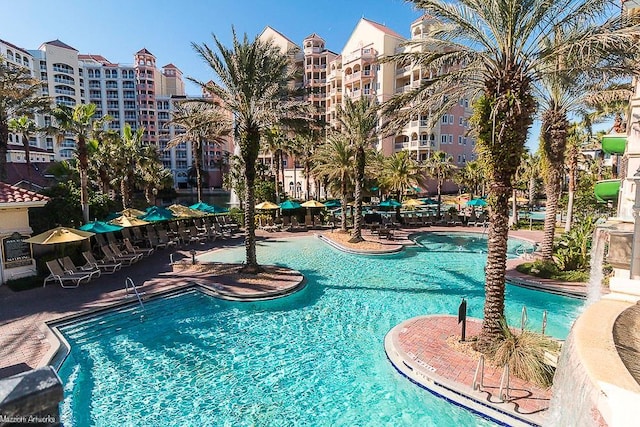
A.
x: 254, y: 77
x: 471, y: 177
x: 440, y: 167
x: 201, y: 123
x: 500, y: 44
x: 399, y: 172
x: 26, y: 127
x: 307, y: 144
x: 335, y: 162
x: 19, y: 96
x: 80, y: 122
x: 274, y: 143
x: 129, y: 155
x: 150, y: 174
x: 358, y: 121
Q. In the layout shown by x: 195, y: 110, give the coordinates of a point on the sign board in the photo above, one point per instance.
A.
x: 16, y: 252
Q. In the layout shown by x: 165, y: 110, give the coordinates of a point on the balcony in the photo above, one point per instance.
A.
x: 403, y: 70
x: 353, y: 76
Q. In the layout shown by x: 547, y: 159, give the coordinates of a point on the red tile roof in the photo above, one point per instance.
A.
x: 144, y: 51
x: 98, y: 58
x: 11, y: 194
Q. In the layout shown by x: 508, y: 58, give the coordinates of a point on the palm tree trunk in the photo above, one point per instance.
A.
x: 572, y: 192
x: 250, y: 154
x: 124, y: 191
x: 4, y: 141
x: 439, y: 211
x: 356, y: 236
x: 495, y: 270
x: 83, y: 163
x: 553, y: 146
x: 197, y: 155
x: 514, y: 208
x: 276, y: 166
x: 546, y: 247
x: 27, y: 155
x: 343, y: 202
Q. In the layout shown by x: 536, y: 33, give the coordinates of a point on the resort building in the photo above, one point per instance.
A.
x: 360, y: 70
x: 138, y: 94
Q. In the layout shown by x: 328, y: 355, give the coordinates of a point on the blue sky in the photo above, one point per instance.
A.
x: 118, y: 28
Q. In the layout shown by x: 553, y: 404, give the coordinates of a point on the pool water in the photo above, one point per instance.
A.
x: 312, y: 358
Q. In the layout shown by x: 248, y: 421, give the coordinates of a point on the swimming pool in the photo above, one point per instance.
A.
x: 313, y: 358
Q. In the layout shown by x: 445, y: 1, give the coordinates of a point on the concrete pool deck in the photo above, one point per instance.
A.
x: 26, y: 341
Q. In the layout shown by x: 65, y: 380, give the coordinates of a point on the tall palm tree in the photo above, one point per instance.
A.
x: 440, y: 167
x: 80, y: 122
x: 26, y: 127
x: 254, y: 77
x: 358, y: 121
x: 500, y: 44
x: 274, y: 143
x: 307, y: 144
x: 201, y: 123
x: 335, y: 162
x: 399, y: 172
x: 20, y: 95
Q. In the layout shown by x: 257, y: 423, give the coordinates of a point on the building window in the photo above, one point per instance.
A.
x: 459, y: 140
x: 443, y: 139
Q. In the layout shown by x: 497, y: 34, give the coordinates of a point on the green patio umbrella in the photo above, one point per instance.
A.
x: 332, y: 204
x: 155, y: 214
x: 288, y: 204
x: 477, y: 203
x: 390, y: 203
x: 205, y: 207
x: 100, y: 227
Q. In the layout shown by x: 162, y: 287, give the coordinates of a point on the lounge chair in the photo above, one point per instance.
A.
x: 111, y: 256
x: 126, y: 234
x: 164, y: 239
x: 130, y: 248
x: 123, y: 253
x: 137, y: 233
x: 105, y: 266
x: 69, y: 266
x: 62, y: 277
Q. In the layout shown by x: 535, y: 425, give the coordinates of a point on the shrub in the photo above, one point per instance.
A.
x: 543, y: 269
x: 25, y: 283
x: 525, y: 354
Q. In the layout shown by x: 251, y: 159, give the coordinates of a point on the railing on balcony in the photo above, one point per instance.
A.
x: 403, y: 70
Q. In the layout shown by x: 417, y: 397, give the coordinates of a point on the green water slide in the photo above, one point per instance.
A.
x: 607, y: 190
x: 614, y: 143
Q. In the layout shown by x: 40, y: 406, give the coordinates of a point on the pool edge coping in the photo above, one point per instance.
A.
x: 59, y: 347
x: 451, y: 391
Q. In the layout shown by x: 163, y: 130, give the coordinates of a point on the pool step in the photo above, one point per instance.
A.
x: 111, y: 322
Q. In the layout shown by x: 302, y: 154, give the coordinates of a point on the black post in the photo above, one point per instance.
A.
x: 462, y: 317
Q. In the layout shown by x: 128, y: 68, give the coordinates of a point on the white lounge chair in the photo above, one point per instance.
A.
x: 62, y: 277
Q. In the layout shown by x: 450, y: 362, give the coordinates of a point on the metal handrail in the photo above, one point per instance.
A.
x: 524, y: 318
x: 478, y: 382
x: 503, y: 393
x: 128, y: 284
x: 544, y: 321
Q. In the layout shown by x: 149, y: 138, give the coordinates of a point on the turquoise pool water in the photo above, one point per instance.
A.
x: 313, y: 358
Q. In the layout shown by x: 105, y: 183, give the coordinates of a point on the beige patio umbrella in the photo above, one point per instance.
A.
x: 59, y: 235
x: 127, y: 221
x: 267, y: 206
x: 131, y: 212
x: 519, y: 200
x: 185, y: 212
x: 312, y: 204
x: 412, y: 203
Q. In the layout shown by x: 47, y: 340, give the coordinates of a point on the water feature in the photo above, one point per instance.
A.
x: 594, y: 287
x: 313, y: 358
x: 574, y: 396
